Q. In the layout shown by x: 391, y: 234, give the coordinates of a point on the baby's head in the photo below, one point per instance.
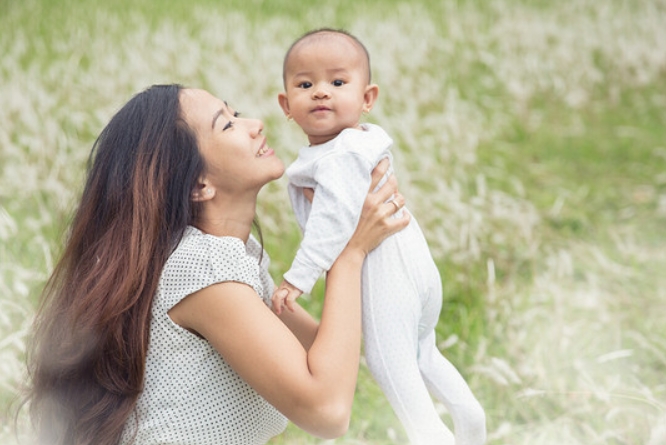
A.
x: 326, y: 76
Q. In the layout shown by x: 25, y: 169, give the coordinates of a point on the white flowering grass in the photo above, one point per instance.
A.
x: 554, y: 284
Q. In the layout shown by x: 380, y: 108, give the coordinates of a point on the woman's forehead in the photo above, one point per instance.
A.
x: 199, y: 106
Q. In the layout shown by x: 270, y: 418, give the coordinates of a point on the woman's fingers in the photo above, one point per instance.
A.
x: 378, y: 173
x: 387, y: 190
x: 377, y: 221
x: 395, y: 204
x: 380, y: 215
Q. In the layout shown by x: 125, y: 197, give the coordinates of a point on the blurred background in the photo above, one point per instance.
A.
x: 530, y: 144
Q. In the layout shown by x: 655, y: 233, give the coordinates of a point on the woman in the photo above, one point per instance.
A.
x: 155, y: 325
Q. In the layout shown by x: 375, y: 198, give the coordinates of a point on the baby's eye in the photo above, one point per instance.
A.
x: 338, y: 82
x: 305, y: 85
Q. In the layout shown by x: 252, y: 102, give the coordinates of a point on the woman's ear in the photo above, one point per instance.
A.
x: 369, y: 97
x: 284, y: 104
x: 202, y: 192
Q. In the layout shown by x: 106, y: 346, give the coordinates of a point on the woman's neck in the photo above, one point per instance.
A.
x: 228, y: 218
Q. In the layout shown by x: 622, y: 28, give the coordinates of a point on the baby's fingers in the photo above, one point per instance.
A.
x: 278, y: 300
x: 289, y: 303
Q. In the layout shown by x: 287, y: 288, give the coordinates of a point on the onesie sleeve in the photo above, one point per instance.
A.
x: 201, y: 260
x: 300, y: 205
x: 343, y: 180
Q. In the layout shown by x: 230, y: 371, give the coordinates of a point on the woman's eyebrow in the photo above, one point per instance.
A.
x: 219, y: 113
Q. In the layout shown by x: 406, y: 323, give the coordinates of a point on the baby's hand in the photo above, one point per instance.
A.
x: 284, y: 296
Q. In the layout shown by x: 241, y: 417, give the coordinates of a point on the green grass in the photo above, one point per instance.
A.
x: 530, y: 145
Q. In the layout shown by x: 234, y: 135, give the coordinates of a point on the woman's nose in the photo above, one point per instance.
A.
x: 256, y: 127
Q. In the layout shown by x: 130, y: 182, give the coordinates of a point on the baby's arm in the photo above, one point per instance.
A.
x: 284, y: 296
x: 342, y: 176
x: 341, y: 180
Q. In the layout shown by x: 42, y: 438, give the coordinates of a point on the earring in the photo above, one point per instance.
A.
x: 289, y: 118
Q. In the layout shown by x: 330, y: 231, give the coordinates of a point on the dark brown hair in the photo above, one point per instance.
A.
x: 87, y: 356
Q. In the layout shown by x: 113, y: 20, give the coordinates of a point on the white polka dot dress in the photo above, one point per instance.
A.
x: 402, y: 295
x: 191, y: 395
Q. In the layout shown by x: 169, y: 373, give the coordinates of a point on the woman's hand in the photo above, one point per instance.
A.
x: 377, y: 221
x: 378, y: 218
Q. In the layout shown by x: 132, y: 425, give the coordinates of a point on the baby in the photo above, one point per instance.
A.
x: 328, y: 86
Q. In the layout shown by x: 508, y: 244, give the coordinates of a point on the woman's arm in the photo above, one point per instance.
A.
x: 313, y: 387
x: 299, y: 382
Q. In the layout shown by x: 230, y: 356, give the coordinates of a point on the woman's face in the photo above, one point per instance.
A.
x: 238, y: 158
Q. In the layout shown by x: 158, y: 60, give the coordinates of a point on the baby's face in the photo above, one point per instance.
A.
x: 325, y: 80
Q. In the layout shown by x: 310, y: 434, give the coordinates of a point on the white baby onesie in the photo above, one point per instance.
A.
x: 401, y: 287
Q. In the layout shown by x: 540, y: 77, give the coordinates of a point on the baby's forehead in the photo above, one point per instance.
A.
x: 328, y: 38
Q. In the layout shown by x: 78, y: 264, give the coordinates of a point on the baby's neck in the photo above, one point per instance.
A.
x: 322, y: 139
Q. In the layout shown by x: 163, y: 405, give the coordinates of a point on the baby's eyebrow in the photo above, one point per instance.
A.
x: 300, y: 74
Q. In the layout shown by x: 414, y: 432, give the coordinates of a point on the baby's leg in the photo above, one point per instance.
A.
x: 391, y: 314
x: 445, y: 382
x: 391, y: 358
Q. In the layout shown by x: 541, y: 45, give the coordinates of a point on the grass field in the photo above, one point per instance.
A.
x: 530, y: 142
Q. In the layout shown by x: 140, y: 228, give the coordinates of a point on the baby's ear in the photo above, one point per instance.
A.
x: 370, y: 96
x: 283, y: 100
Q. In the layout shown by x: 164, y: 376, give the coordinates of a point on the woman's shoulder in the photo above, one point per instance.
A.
x: 201, y: 259
x: 198, y: 250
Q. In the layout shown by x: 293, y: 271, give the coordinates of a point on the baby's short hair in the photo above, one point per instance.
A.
x: 323, y: 31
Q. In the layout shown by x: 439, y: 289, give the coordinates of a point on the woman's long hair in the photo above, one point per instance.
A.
x: 88, y: 353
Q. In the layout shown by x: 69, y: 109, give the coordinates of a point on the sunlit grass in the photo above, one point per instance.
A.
x: 530, y: 145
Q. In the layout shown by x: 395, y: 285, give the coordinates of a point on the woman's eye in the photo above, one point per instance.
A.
x: 304, y: 85
x: 237, y: 113
x: 338, y: 83
x: 229, y: 125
